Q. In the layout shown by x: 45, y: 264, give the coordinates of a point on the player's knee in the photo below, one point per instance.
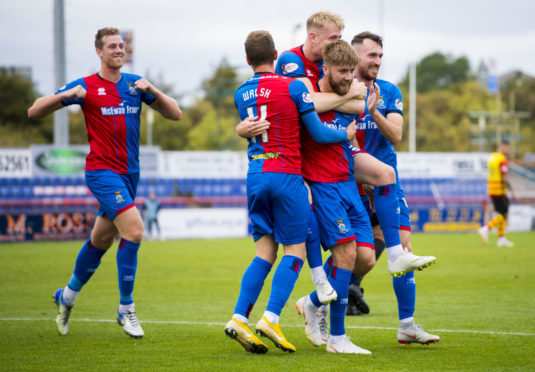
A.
x: 134, y: 233
x: 388, y: 176
x: 103, y: 241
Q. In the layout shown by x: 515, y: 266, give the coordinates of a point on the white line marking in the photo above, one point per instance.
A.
x: 185, y: 322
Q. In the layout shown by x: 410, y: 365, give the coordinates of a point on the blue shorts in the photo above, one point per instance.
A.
x: 341, y: 215
x: 115, y: 192
x: 278, y: 205
x: 404, y: 213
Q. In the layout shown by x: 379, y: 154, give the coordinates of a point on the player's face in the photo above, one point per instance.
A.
x: 370, y: 55
x: 325, y: 36
x: 340, y: 78
x: 112, y: 53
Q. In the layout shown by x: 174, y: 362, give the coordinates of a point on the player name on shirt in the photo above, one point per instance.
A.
x: 253, y: 93
x: 121, y: 110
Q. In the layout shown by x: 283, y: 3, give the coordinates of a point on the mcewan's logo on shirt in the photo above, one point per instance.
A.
x: 122, y: 109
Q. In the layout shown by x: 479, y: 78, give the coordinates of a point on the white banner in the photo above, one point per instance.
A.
x: 442, y: 165
x: 203, y: 164
x: 195, y: 223
x: 15, y: 163
x: 521, y: 218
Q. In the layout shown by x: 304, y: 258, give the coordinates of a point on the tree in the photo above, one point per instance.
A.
x: 438, y: 71
x: 17, y: 94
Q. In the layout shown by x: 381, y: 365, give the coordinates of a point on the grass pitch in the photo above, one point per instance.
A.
x: 479, y: 299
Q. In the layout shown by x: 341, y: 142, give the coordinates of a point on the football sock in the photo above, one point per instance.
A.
x: 87, y: 262
x: 495, y: 221
x: 501, y: 226
x: 407, y: 322
x: 379, y: 247
x: 283, y: 282
x: 313, y: 243
x: 126, y: 269
x: 124, y: 308
x: 251, y: 285
x: 405, y: 289
x: 69, y: 295
x: 272, y: 317
x: 387, y: 210
x: 328, y: 265
x: 318, y: 274
x: 339, y: 280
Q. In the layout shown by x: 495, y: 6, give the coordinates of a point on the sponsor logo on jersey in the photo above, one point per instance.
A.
x: 341, y: 227
x: 309, y: 73
x: 267, y: 155
x: 101, y: 91
x: 399, y: 104
x: 289, y: 67
x: 118, y: 197
x: 307, y: 98
x: 121, y: 110
x: 132, y: 90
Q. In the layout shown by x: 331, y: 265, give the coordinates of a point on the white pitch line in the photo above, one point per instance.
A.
x: 185, y: 322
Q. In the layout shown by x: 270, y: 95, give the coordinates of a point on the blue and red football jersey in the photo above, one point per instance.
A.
x: 328, y: 162
x: 368, y: 135
x: 112, y: 112
x: 293, y: 63
x: 281, y: 101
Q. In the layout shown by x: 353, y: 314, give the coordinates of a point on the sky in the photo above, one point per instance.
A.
x: 182, y: 42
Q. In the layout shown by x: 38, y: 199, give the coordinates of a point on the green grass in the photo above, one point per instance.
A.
x: 480, y: 300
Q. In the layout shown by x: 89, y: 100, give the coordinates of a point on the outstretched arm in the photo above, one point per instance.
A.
x: 164, y: 104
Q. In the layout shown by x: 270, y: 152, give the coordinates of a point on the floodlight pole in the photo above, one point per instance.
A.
x: 61, y: 117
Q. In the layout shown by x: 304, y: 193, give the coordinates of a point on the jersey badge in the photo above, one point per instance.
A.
x: 399, y: 104
x: 381, y: 103
x: 341, y: 227
x: 101, y: 91
x: 289, y: 67
x: 118, y: 197
x: 132, y: 90
x: 306, y: 97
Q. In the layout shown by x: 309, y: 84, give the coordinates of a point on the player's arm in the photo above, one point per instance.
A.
x: 504, y: 170
x: 322, y: 134
x: 44, y: 106
x: 350, y: 103
x: 251, y: 127
x: 391, y: 126
x: 165, y: 105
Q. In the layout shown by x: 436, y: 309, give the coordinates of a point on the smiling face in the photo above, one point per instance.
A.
x: 112, y: 52
x: 340, y: 78
x: 370, y: 55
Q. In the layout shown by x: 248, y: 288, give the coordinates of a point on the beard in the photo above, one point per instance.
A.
x: 367, y: 74
x: 338, y: 87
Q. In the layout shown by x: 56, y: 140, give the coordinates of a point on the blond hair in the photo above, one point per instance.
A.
x: 325, y: 18
x: 340, y: 53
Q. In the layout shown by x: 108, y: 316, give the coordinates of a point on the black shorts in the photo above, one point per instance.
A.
x: 501, y: 204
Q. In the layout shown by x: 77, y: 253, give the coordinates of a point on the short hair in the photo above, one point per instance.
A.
x: 106, y: 31
x: 340, y: 53
x: 325, y: 18
x: 359, y: 38
x: 260, y: 48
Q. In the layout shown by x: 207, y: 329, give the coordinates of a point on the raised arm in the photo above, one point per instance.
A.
x: 391, y: 126
x: 165, y: 105
x: 44, y: 106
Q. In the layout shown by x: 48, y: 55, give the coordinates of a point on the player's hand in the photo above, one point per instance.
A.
x: 251, y: 127
x: 351, y: 130
x: 144, y: 86
x: 373, y: 98
x: 358, y: 90
x: 76, y: 92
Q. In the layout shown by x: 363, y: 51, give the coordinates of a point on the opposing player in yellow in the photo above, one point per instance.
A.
x: 498, y: 184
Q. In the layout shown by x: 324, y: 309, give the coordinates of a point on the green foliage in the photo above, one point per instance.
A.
x: 443, y: 122
x: 438, y: 71
x: 17, y: 93
x: 479, y: 299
